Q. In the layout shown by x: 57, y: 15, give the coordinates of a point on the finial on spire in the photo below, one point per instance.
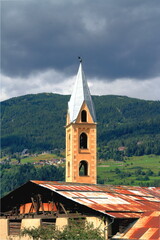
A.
x: 80, y: 59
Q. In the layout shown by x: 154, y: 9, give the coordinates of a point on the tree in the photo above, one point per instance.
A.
x: 77, y: 230
x: 122, y: 121
x: 117, y: 171
x: 13, y: 176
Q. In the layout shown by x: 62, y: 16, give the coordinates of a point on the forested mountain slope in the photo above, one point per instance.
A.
x: 37, y: 121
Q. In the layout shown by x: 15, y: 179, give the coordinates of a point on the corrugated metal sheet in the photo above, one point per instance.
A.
x: 124, y: 214
x: 115, y: 201
x: 30, y: 208
x: 147, y: 227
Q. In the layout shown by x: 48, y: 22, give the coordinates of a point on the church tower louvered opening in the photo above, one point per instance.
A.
x: 81, y: 134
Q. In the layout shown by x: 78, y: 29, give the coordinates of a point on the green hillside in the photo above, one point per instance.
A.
x: 136, y: 171
x: 13, y: 176
x: 139, y: 171
x: 37, y: 121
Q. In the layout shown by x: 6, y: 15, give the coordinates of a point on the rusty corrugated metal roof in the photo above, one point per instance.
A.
x: 123, y: 214
x: 115, y: 201
x: 146, y: 228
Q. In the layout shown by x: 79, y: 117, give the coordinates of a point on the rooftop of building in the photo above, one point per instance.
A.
x: 114, y: 201
x: 147, y: 227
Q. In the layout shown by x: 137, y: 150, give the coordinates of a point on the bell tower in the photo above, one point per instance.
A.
x: 81, y: 134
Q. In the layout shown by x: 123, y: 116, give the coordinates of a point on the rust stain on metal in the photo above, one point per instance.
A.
x: 147, y: 227
x: 116, y: 201
x: 29, y: 208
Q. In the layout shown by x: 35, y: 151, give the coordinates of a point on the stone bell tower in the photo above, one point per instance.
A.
x: 81, y: 134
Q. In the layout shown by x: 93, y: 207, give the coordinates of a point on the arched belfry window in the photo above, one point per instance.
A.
x: 83, y: 168
x: 83, y: 140
x: 83, y: 116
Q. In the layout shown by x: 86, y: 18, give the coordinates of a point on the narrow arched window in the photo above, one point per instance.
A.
x: 83, y: 168
x: 69, y: 142
x: 83, y: 141
x: 83, y: 116
x: 68, y: 169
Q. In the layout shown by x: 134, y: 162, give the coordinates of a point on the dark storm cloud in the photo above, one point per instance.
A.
x: 117, y: 39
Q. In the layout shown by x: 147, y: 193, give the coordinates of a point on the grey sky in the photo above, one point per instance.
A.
x: 118, y: 40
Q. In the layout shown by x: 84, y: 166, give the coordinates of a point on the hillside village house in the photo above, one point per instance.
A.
x: 121, y: 212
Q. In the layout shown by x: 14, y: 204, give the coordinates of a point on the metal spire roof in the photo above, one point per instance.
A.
x: 80, y: 94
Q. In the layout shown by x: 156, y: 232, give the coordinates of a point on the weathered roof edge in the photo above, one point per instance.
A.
x: 117, y: 213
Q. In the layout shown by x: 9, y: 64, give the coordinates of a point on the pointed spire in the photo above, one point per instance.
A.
x: 80, y: 94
